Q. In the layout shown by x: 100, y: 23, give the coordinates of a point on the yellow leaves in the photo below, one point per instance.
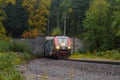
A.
x: 57, y: 31
x: 2, y: 29
x: 13, y: 2
x: 2, y: 15
x: 99, y: 7
x: 30, y: 22
x: 38, y: 10
x: 70, y: 10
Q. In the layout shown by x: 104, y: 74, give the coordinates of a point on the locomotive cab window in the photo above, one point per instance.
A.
x: 63, y: 41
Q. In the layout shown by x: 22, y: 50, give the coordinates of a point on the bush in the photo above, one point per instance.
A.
x: 4, y: 46
x: 114, y: 54
x: 25, y: 56
x: 7, y: 67
x: 17, y: 46
x: 14, y: 46
x: 4, y: 38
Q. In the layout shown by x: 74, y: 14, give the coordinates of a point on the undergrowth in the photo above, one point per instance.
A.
x: 111, y: 55
x: 12, y: 53
x: 14, y: 46
x: 8, y: 62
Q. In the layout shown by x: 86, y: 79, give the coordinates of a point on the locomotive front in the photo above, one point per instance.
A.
x: 62, y: 45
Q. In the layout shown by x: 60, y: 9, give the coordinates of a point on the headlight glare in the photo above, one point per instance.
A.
x: 69, y: 47
x: 57, y: 47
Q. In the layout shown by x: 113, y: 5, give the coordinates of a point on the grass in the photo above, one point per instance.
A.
x: 8, y: 62
x: 14, y: 46
x: 12, y: 54
x: 88, y: 56
x: 110, y: 55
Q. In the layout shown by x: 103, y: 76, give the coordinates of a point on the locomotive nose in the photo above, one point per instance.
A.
x: 62, y: 44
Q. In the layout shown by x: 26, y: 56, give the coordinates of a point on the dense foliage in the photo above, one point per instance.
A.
x: 12, y: 54
x: 21, y: 16
x: 14, y: 46
x: 97, y: 25
x: 57, y: 31
x: 38, y: 14
x: 95, y: 21
x: 74, y: 10
x: 101, y: 26
x: 8, y: 62
x: 110, y: 55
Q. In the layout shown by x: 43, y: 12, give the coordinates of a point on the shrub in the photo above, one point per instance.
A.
x: 114, y: 54
x: 25, y: 56
x: 7, y: 67
x: 4, y: 46
x: 4, y: 38
x: 15, y: 46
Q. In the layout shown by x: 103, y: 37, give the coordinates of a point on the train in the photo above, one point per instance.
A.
x: 58, y: 46
x: 49, y: 46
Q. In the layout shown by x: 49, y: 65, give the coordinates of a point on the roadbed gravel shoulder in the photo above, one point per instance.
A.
x: 102, y: 61
x: 48, y: 69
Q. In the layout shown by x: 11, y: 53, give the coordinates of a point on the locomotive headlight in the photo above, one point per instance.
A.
x: 57, y: 47
x: 69, y: 47
x: 63, y: 44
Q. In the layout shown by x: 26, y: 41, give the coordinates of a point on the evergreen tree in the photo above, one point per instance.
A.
x: 3, y: 14
x: 16, y: 22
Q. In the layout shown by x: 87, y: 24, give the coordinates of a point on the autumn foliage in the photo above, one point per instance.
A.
x: 31, y: 34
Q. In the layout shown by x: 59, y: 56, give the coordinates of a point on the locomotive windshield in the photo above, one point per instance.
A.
x: 63, y: 41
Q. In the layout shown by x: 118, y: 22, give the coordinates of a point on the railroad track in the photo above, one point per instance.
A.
x: 51, y: 69
x: 112, y: 62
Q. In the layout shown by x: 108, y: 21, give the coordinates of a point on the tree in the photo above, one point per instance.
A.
x: 65, y: 7
x: 3, y: 15
x: 116, y: 22
x: 55, y: 15
x: 75, y: 10
x: 2, y: 18
x: 16, y: 21
x: 57, y: 31
x: 31, y: 34
x: 97, y: 26
x: 2, y: 29
x: 116, y: 18
x: 38, y: 13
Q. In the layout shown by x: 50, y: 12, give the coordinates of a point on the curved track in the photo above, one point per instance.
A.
x: 49, y: 69
x: 112, y: 62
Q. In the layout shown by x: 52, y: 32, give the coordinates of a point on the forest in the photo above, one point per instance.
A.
x: 97, y: 22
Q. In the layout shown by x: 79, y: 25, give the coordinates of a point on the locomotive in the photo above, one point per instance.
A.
x: 59, y: 46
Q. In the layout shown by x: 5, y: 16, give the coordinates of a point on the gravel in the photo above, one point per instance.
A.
x: 48, y: 69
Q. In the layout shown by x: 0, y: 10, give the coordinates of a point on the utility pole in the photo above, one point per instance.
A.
x: 65, y: 23
x: 58, y: 19
x: 48, y: 25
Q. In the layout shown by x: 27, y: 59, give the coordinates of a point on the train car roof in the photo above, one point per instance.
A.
x: 52, y: 37
x: 61, y: 36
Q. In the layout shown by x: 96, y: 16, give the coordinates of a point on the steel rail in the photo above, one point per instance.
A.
x: 111, y: 62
